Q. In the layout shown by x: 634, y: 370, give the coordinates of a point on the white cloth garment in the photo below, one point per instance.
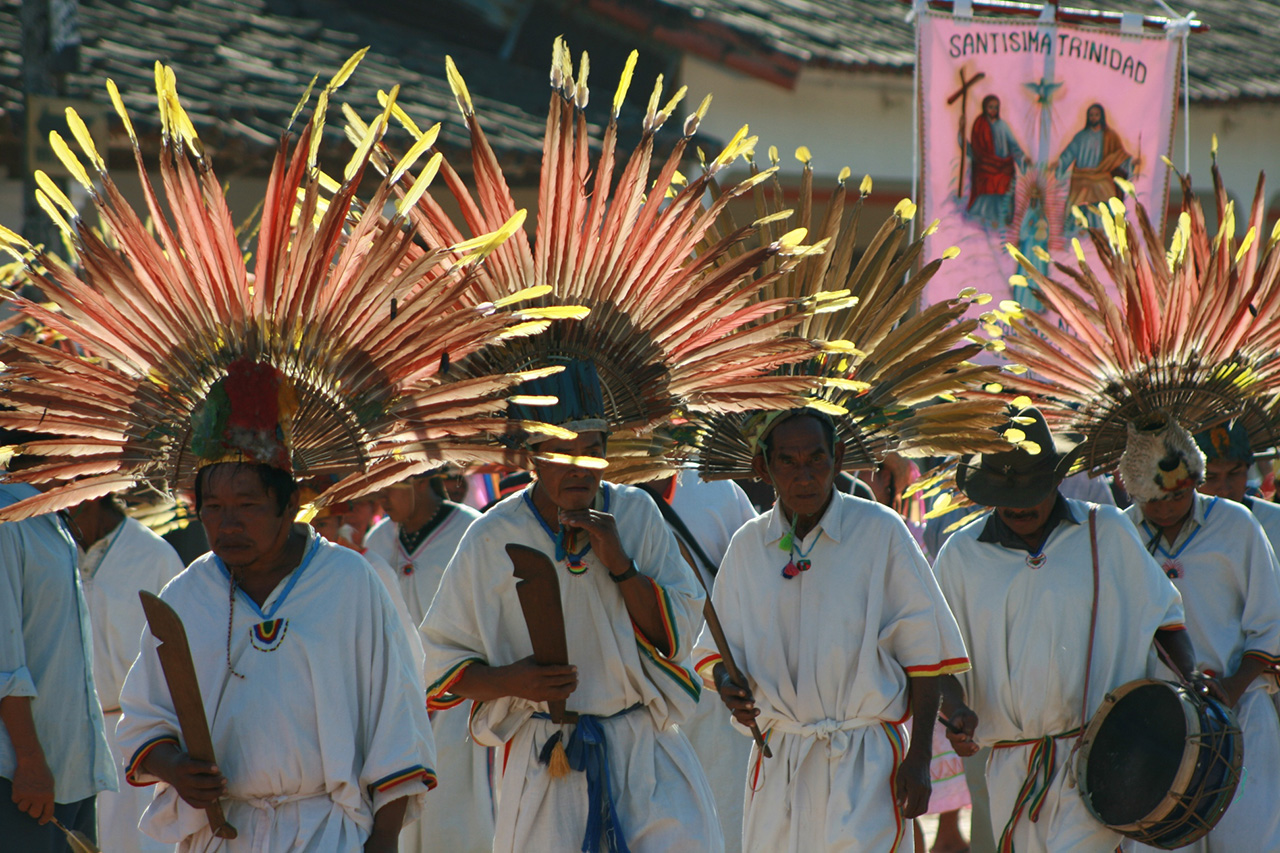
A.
x: 458, y: 816
x: 663, y: 801
x: 1225, y: 569
x: 128, y: 559
x: 713, y: 512
x: 419, y: 573
x: 827, y: 655
x: 1027, y: 631
x: 410, y: 625
x: 327, y: 725
x: 46, y: 652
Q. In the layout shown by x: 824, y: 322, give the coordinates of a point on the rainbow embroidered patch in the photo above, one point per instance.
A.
x: 267, y: 636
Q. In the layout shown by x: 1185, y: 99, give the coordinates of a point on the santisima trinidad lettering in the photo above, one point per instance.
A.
x: 993, y: 42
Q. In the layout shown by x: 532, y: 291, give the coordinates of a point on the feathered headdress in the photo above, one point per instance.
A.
x: 675, y: 324
x: 889, y: 377
x: 324, y: 356
x: 1192, y: 334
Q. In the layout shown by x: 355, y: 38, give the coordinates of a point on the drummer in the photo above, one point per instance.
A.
x: 1020, y: 581
x: 1218, y: 557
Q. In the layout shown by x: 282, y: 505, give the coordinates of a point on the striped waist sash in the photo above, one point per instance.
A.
x: 1040, y: 769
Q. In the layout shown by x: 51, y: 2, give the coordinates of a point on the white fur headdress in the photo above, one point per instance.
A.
x: 1160, y: 458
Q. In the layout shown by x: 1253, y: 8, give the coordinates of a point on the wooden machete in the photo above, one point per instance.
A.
x: 539, y: 591
x: 184, y: 689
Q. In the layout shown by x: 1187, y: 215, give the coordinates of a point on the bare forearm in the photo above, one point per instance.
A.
x: 924, y: 709
x: 387, y: 822
x: 15, y: 713
x: 482, y: 683
x: 641, y: 599
x: 1177, y: 645
x: 952, y: 694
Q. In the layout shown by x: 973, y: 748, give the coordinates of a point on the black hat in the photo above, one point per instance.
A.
x: 1018, y: 477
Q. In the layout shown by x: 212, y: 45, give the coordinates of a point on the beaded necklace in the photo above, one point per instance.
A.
x: 788, y: 543
x: 1172, y: 565
x: 575, y: 561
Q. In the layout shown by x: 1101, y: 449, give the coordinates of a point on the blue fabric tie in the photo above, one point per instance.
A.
x: 588, y: 752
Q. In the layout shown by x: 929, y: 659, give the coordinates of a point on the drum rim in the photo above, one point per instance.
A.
x: 1186, y: 767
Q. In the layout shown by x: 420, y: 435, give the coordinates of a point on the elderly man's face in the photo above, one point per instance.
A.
x: 241, y: 516
x: 1027, y: 521
x: 570, y: 486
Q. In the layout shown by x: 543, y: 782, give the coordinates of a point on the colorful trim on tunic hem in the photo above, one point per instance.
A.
x: 438, y: 696
x: 135, y: 763
x: 898, y: 743
x: 1176, y: 626
x: 417, y: 771
x: 706, y: 666
x: 688, y: 682
x: 950, y: 666
x: 668, y: 620
x: 1269, y: 660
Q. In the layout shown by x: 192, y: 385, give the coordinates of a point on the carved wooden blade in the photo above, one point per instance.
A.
x: 184, y: 689
x: 539, y: 591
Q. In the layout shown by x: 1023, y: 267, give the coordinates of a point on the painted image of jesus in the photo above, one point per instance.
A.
x: 1095, y: 156
x: 995, y: 154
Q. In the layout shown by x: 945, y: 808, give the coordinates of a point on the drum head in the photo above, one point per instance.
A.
x: 1135, y: 754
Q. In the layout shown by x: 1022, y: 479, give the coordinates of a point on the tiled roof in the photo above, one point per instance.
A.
x: 242, y: 65
x: 1236, y: 59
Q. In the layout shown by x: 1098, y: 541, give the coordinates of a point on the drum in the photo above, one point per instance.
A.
x: 1160, y: 764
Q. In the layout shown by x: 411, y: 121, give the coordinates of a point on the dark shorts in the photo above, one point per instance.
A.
x: 19, y: 832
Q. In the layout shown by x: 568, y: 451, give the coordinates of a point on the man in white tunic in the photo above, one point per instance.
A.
x: 315, y: 715
x: 418, y: 538
x: 1020, y: 583
x: 53, y: 755
x: 1228, y: 454
x: 1218, y: 557
x: 118, y: 556
x: 831, y: 612
x: 631, y: 605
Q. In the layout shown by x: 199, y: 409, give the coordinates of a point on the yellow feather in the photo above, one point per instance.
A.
x: 844, y: 175
x: 675, y: 100
x: 555, y: 312
x: 951, y: 252
x: 420, y: 185
x: 539, y: 372
x: 348, y: 67
x: 362, y: 150
x: 533, y: 399
x: 1246, y: 243
x: 865, y: 188
x: 624, y: 82
x: 400, y: 115
x: 905, y: 209
x: 118, y: 103
x: 302, y: 102
x: 52, y: 210
x: 825, y: 406
x: 317, y: 128
x: 803, y: 155
x: 524, y: 295
x: 81, y: 132
x: 592, y: 462
x: 459, y: 87
x: 55, y: 193
x: 479, y: 247
x: 69, y: 159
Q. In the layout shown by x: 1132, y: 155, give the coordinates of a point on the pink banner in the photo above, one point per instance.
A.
x: 1021, y: 122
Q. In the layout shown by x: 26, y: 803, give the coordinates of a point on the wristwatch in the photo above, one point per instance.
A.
x: 625, y: 576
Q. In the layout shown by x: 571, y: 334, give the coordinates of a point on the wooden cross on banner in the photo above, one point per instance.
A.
x: 963, y: 95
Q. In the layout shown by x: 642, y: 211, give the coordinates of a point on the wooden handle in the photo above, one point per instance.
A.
x: 184, y: 689
x: 722, y: 645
